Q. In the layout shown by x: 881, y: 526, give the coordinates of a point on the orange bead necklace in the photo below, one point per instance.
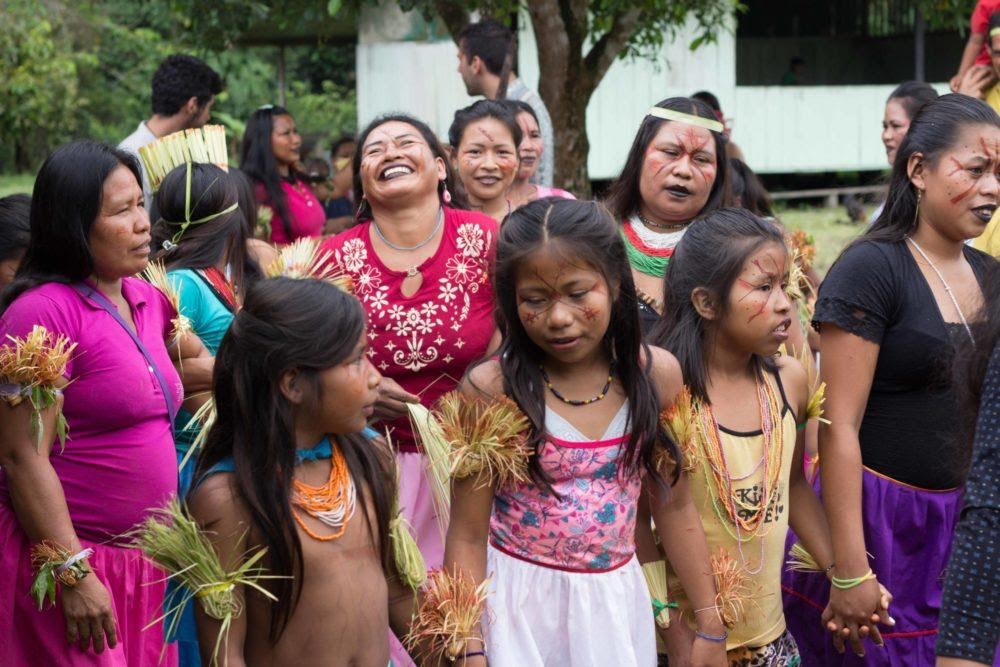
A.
x: 332, y: 503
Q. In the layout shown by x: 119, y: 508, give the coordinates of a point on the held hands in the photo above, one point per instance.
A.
x: 89, y: 617
x: 975, y: 81
x: 849, y: 617
x: 392, y: 400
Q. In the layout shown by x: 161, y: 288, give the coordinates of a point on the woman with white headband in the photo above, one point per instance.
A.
x: 671, y: 176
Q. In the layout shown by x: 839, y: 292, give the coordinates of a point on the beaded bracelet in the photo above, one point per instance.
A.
x: 712, y: 638
x: 472, y: 654
x: 845, y: 584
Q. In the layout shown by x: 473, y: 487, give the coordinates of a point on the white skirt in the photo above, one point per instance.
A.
x: 538, y: 616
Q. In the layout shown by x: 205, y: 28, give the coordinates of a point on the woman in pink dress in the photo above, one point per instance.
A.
x: 270, y: 157
x: 89, y: 233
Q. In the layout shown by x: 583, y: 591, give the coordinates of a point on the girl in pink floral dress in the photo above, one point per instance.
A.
x: 566, y: 587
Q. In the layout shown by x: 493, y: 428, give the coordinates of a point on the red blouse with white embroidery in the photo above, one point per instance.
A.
x: 427, y: 340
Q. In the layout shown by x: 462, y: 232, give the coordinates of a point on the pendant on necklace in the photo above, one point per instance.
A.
x: 412, y: 271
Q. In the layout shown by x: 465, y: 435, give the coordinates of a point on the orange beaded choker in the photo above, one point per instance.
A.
x: 332, y: 504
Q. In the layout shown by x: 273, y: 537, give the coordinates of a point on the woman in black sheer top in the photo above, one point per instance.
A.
x: 892, y: 312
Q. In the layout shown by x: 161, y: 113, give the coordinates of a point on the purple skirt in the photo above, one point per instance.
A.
x: 908, y: 531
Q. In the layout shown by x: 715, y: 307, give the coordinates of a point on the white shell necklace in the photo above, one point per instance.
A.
x: 947, y: 289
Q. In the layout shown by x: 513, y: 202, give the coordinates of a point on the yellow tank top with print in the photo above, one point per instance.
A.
x: 989, y: 240
x: 761, y: 555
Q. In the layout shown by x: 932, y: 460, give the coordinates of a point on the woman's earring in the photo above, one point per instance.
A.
x: 445, y: 195
x: 916, y: 210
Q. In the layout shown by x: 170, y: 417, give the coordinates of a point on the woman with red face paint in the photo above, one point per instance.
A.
x: 892, y: 311
x: 484, y: 141
x: 522, y: 190
x: 674, y: 172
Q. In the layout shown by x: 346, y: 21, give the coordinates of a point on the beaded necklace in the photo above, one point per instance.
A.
x: 747, y: 518
x: 643, y: 255
x: 571, y: 401
x: 332, y: 503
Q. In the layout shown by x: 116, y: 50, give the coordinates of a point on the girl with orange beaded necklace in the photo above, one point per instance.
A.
x: 726, y: 314
x: 289, y: 465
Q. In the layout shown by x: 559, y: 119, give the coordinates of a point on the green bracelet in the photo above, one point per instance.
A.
x: 845, y: 584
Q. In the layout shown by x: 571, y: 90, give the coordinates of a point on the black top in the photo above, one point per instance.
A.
x: 970, y: 612
x: 909, y: 430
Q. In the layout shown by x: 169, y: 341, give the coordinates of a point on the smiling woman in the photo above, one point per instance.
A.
x: 271, y: 158
x: 421, y: 270
x: 485, y: 138
x: 89, y: 234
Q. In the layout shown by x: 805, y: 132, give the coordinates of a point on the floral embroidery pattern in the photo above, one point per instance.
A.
x: 588, y: 525
x: 417, y: 336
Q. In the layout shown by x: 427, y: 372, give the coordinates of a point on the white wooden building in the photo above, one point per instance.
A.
x: 781, y: 129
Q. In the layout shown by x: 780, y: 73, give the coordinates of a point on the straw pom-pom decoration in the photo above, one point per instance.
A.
x: 452, y: 606
x: 732, y: 586
x: 814, y: 408
x: 173, y: 541
x: 30, y: 369
x: 54, y: 564
x: 655, y: 574
x: 206, y: 144
x: 430, y: 437
x: 681, y: 422
x: 156, y: 275
x: 304, y: 259
x: 203, y: 419
x: 801, y: 560
x: 487, y: 438
x: 409, y: 561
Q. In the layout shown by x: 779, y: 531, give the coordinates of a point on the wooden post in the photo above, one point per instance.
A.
x: 281, y: 75
x: 919, y: 30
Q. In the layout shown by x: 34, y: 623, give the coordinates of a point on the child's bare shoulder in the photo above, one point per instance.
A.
x: 666, y: 373
x: 216, y: 503
x: 483, y: 380
x: 794, y: 379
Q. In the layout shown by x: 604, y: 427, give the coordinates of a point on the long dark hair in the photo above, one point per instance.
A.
x: 912, y: 96
x: 484, y: 109
x: 285, y: 324
x: 364, y: 211
x: 246, y: 199
x: 203, y: 245
x: 747, y: 188
x: 932, y: 132
x: 624, y: 198
x: 15, y: 227
x: 710, y: 255
x: 585, y: 233
x: 970, y: 363
x: 257, y: 161
x: 64, y: 205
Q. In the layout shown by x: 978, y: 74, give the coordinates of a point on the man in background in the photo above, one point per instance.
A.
x: 483, y: 48
x: 184, y: 89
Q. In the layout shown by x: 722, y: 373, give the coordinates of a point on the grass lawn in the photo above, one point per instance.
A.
x: 829, y: 227
x: 13, y: 183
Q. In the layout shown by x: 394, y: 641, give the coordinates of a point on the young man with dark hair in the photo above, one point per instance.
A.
x: 483, y: 48
x: 184, y: 89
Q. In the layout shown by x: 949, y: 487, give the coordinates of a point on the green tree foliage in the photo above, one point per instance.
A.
x: 72, y: 69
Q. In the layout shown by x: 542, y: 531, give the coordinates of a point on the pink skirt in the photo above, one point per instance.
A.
x: 32, y: 637
x: 417, y: 506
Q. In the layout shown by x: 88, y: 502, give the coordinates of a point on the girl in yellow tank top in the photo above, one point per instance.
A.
x: 725, y: 318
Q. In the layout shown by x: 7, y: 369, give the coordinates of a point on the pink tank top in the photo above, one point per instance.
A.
x: 589, y: 525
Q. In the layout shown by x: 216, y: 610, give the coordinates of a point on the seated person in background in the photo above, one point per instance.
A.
x: 15, y: 230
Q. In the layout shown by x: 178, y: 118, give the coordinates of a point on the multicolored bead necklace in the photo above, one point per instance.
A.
x: 570, y: 401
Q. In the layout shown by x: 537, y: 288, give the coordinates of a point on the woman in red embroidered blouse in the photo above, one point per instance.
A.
x: 422, y: 271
